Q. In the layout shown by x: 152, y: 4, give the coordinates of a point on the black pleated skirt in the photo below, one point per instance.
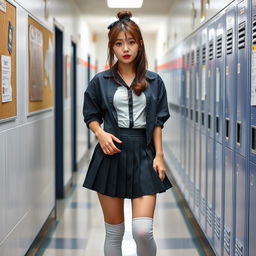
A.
x: 128, y: 174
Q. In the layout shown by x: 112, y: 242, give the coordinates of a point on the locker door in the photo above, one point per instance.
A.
x: 241, y: 206
x: 219, y: 199
x: 231, y: 71
x: 197, y: 174
x: 229, y: 203
x: 252, y: 101
x: 220, y: 77
x: 252, y: 213
x: 242, y: 80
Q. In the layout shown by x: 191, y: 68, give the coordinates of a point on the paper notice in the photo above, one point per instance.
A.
x: 48, y: 63
x: 253, y: 77
x: 6, y: 78
x: 3, y: 5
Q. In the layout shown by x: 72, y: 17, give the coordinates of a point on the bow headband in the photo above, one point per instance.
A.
x: 120, y: 20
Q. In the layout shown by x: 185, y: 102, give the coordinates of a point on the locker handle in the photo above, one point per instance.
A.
x: 217, y: 125
x: 253, y: 142
x: 227, y: 128
x: 196, y: 116
x: 191, y: 114
x: 202, y: 119
x: 209, y: 121
x: 238, y: 133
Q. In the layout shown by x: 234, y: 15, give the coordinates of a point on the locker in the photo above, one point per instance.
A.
x: 220, y: 29
x: 211, y: 81
x: 219, y: 199
x: 231, y: 71
x: 210, y: 189
x: 252, y: 213
x: 252, y: 94
x: 241, y: 206
x: 229, y: 215
x: 242, y: 123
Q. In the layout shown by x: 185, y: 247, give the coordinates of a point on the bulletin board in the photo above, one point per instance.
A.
x: 8, y: 71
x: 40, y: 66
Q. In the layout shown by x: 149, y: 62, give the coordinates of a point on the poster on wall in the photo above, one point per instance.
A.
x: 36, y: 63
x: 6, y: 78
x: 48, y: 63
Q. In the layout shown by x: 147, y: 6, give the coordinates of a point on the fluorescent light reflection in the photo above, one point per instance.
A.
x: 124, y: 3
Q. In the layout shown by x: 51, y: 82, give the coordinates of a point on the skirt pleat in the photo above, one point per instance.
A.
x: 128, y: 174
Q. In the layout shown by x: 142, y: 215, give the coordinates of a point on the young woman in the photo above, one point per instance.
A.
x: 128, y: 161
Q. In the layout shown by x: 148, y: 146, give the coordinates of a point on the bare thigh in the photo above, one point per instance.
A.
x: 144, y: 206
x: 113, y: 209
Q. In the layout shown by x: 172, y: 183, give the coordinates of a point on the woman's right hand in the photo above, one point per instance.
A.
x: 106, y: 142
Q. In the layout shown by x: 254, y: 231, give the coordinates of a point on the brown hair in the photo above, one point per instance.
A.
x: 125, y: 24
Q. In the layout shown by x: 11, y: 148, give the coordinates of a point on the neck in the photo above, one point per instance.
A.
x: 125, y: 69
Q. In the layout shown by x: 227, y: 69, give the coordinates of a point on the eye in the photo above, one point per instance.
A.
x: 132, y: 42
x: 118, y: 43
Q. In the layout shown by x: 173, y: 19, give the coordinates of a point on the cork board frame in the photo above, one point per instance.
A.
x: 47, y: 100
x: 8, y: 110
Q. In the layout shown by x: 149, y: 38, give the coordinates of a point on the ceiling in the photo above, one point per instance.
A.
x: 148, y: 17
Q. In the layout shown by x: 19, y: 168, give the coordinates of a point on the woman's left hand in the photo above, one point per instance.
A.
x: 159, y: 167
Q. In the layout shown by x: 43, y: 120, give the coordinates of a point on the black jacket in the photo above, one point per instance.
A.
x: 98, y: 102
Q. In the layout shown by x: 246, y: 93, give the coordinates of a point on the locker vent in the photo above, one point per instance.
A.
x: 209, y: 215
x: 204, y: 54
x: 192, y: 58
x: 197, y: 55
x: 191, y: 114
x: 217, y: 226
x: 197, y: 198
x: 239, y: 250
x: 227, y: 241
x: 254, y: 30
x: 229, y: 41
x: 219, y: 46
x: 203, y: 206
x: 211, y: 50
x: 241, y: 35
x: 196, y: 116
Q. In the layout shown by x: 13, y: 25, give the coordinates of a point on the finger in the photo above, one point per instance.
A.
x: 116, y: 139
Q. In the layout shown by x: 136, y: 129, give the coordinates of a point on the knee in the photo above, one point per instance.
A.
x: 142, y: 229
x: 115, y: 231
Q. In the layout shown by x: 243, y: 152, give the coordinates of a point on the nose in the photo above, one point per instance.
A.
x: 125, y: 47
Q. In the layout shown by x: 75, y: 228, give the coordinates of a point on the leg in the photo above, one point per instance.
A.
x: 113, y: 211
x: 142, y: 224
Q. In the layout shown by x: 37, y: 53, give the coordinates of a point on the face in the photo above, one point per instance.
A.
x: 125, y: 48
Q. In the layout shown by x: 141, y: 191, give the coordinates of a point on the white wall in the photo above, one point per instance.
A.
x: 27, y: 172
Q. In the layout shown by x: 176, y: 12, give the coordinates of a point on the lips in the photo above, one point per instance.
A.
x: 126, y: 56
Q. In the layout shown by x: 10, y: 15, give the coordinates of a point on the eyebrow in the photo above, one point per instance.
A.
x: 123, y: 39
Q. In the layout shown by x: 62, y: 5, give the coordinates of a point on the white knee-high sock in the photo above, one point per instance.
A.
x: 142, y: 231
x: 113, y: 239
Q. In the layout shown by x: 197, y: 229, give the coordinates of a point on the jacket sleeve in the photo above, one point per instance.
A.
x: 92, y: 102
x: 162, y: 111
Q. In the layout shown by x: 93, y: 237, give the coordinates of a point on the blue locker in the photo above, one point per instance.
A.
x: 252, y: 213
x: 231, y: 71
x: 211, y: 80
x: 242, y: 123
x: 242, y: 193
x: 219, y: 199
x: 252, y: 100
x: 197, y: 120
x: 229, y: 215
x: 192, y: 123
x: 220, y: 29
x: 210, y: 189
x: 203, y: 130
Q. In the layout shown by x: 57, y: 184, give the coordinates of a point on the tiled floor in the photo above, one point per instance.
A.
x: 79, y: 230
